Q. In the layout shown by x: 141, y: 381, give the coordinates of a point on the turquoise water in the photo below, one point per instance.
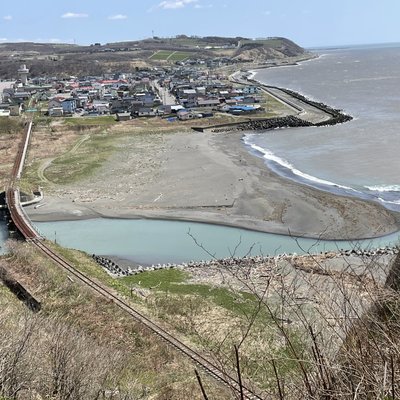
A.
x: 158, y: 241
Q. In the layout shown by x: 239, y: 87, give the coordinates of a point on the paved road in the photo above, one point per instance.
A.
x: 165, y: 95
x: 308, y: 112
x: 304, y: 110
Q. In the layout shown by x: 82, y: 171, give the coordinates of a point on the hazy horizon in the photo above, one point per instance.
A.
x: 309, y: 23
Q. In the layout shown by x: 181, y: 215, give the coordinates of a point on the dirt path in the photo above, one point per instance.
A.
x: 47, y: 162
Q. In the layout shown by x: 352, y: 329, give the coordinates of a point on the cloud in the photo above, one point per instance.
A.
x: 117, y: 17
x: 8, y: 17
x: 173, y: 4
x: 201, y: 6
x: 3, y: 39
x: 51, y: 40
x: 74, y: 15
x: 267, y: 12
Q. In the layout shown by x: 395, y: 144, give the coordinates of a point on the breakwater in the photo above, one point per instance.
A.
x: 248, y: 261
x: 337, y: 116
x: 262, y: 124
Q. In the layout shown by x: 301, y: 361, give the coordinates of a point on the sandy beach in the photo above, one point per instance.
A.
x: 210, y: 177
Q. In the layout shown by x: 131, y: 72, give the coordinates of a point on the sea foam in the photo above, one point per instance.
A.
x: 270, y: 156
x: 384, y: 188
x: 397, y: 202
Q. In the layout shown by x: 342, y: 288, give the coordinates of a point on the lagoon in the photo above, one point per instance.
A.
x: 159, y: 241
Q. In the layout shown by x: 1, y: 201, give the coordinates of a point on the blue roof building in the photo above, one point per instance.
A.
x: 69, y: 106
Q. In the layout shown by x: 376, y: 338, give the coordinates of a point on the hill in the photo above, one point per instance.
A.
x: 272, y: 48
x: 68, y: 59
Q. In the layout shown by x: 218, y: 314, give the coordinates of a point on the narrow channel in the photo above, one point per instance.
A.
x: 158, y: 241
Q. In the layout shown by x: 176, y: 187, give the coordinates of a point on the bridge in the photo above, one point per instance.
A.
x: 24, y: 226
x: 16, y: 212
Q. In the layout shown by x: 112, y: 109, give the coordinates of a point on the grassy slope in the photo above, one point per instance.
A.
x: 162, y: 372
x: 211, y: 317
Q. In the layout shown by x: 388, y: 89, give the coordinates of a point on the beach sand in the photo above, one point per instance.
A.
x: 210, y: 177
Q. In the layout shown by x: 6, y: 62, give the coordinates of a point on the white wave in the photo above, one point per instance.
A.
x: 388, y: 201
x: 384, y: 188
x: 378, y: 78
x: 269, y: 155
x: 252, y: 74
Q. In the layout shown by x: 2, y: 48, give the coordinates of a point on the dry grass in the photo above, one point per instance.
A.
x: 311, y: 327
x: 99, y: 327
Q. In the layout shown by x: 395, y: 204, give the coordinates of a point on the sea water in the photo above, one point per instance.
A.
x: 360, y: 157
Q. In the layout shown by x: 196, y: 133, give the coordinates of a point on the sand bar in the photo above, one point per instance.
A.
x: 210, y: 177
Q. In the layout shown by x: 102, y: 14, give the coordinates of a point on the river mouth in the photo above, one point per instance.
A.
x: 147, y: 242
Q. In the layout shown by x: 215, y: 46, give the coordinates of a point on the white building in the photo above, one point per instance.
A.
x: 23, y: 74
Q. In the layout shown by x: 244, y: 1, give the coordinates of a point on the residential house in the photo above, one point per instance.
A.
x: 101, y: 106
x: 20, y: 97
x: 237, y: 110
x: 55, y: 102
x: 124, y: 116
x: 125, y: 104
x: 56, y: 112
x: 201, y: 90
x: 146, y: 112
x: 251, y: 90
x: 16, y: 109
x: 208, y: 102
x: 185, y: 115
x: 69, y: 106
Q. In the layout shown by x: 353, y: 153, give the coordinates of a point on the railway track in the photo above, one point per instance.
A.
x: 24, y: 226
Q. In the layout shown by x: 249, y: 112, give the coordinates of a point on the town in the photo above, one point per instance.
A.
x: 177, y: 93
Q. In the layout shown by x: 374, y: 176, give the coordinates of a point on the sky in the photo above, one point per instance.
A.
x: 310, y: 23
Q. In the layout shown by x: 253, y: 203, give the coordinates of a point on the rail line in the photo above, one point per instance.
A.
x: 24, y: 226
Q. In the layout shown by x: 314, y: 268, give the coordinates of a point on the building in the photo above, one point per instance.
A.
x: 208, y: 103
x: 16, y: 110
x: 4, y: 112
x: 23, y: 73
x: 185, y: 115
x: 56, y: 112
x: 55, y: 102
x: 69, y: 106
x: 146, y: 112
x: 251, y: 90
x: 124, y: 116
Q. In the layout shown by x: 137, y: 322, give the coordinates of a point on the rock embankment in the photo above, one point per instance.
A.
x: 380, y: 251
x: 337, y: 116
x: 115, y: 270
x: 263, y: 124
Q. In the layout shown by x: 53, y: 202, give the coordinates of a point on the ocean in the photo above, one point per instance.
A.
x: 360, y: 157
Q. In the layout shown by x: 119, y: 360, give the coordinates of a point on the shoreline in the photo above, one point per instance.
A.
x: 200, y: 220
x: 247, y: 193
x: 337, y: 116
x: 219, y: 181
